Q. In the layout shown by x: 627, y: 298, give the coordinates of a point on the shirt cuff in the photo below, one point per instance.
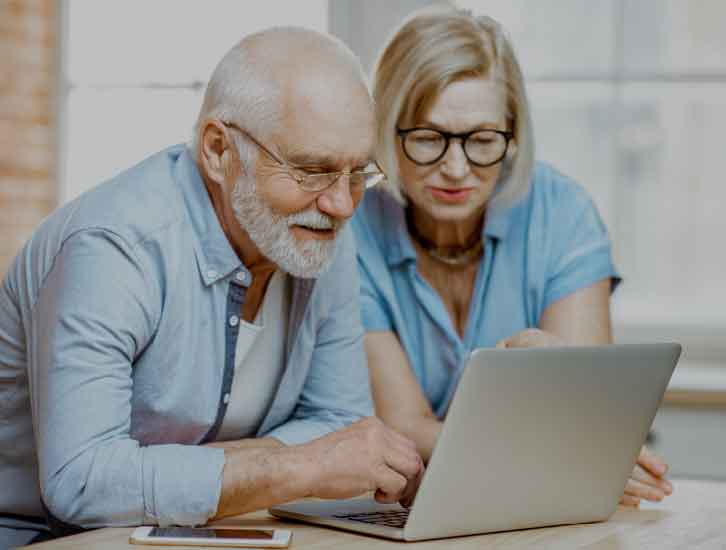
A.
x: 583, y: 280
x: 302, y: 430
x: 182, y: 484
x: 373, y: 320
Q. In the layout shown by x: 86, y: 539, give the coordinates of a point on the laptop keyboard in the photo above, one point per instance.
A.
x: 391, y: 518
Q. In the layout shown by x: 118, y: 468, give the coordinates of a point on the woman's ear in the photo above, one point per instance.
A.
x: 511, y: 151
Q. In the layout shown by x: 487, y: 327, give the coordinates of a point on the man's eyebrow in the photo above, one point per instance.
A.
x: 331, y: 162
x: 310, y: 159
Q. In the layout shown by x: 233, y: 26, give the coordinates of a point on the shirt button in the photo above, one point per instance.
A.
x: 241, y: 277
x: 233, y: 321
x: 211, y: 274
x: 225, y: 398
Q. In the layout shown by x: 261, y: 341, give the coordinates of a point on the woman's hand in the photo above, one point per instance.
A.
x: 531, y: 338
x: 647, y: 481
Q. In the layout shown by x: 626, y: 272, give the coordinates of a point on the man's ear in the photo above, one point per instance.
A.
x: 214, y: 151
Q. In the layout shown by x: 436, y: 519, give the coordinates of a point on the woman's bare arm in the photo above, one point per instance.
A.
x: 579, y: 319
x: 397, y: 394
x: 583, y: 317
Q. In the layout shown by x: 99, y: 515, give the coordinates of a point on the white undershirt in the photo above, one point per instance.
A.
x: 259, y: 362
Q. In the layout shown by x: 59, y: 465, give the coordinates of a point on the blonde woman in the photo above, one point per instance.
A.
x: 471, y: 243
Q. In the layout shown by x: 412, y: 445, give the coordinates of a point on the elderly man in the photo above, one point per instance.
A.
x: 182, y: 343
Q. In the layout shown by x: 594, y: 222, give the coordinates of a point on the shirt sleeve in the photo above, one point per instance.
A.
x: 373, y: 311
x: 581, y: 251
x: 336, y: 391
x: 372, y: 267
x: 95, y: 313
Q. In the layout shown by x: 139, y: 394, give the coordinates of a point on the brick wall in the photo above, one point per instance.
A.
x: 28, y: 91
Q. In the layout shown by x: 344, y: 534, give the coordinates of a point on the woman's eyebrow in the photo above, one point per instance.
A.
x: 485, y: 125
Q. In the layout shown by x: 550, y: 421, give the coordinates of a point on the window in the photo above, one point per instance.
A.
x: 629, y: 97
x: 134, y: 74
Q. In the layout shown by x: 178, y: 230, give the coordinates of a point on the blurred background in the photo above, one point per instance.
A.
x: 628, y: 96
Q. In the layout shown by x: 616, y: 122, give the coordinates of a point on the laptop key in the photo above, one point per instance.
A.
x: 393, y: 518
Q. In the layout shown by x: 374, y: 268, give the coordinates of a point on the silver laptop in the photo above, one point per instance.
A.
x: 533, y: 437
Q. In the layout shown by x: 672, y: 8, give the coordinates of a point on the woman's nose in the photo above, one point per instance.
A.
x: 455, y: 164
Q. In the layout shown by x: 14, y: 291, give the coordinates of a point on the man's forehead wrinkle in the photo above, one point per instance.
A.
x: 311, y: 129
x: 307, y: 91
x: 322, y: 156
x: 326, y: 113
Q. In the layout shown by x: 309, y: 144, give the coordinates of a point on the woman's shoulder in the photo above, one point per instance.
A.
x: 561, y: 211
x: 554, y: 205
x: 552, y: 189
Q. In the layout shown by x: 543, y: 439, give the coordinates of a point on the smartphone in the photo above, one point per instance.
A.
x: 234, y: 537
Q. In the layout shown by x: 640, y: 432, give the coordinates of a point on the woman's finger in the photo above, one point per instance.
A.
x: 641, y: 490
x: 630, y: 500
x: 640, y: 474
x: 652, y: 462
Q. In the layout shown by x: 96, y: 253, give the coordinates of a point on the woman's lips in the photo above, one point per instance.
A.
x: 452, y: 195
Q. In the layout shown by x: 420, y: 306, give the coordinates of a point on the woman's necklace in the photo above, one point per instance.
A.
x: 451, y: 255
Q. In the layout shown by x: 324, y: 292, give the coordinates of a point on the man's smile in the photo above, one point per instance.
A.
x: 306, y: 232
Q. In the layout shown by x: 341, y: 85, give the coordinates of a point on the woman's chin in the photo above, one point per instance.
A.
x: 448, y: 212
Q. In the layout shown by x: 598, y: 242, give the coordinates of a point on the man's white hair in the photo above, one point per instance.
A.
x: 248, y: 85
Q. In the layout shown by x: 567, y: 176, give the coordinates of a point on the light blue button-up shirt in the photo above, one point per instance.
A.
x: 548, y: 245
x: 117, y: 340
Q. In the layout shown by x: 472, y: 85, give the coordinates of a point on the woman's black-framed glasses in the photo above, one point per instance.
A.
x: 315, y: 182
x: 426, y: 146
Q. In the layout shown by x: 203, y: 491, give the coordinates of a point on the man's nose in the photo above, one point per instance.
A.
x: 336, y: 200
x: 455, y: 164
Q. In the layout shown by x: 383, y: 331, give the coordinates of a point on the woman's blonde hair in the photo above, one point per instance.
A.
x: 429, y: 51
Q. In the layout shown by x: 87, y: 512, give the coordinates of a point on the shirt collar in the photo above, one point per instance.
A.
x: 397, y: 243
x: 497, y: 223
x: 215, y: 257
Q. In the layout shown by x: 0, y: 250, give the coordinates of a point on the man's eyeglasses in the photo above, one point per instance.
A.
x: 425, y: 146
x: 316, y: 182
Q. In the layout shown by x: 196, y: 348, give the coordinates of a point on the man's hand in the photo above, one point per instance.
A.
x: 647, y: 481
x: 366, y: 456
x: 531, y: 338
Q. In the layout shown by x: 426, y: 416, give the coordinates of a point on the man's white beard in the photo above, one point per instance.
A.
x: 271, y: 232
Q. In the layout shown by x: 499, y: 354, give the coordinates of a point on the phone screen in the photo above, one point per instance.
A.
x: 211, y: 533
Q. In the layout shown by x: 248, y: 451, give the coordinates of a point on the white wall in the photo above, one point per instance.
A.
x: 629, y: 97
